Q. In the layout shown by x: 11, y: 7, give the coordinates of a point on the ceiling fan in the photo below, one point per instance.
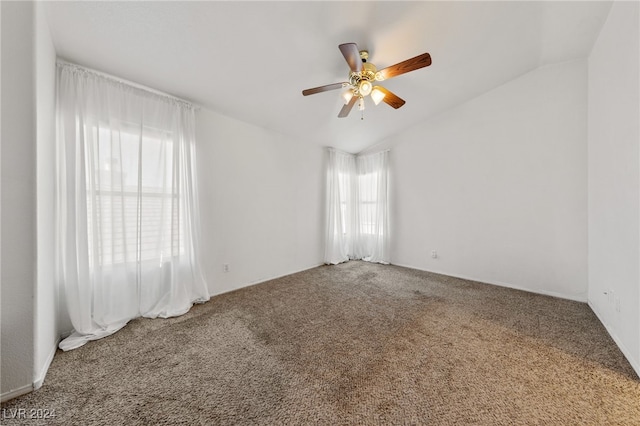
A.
x: 363, y: 75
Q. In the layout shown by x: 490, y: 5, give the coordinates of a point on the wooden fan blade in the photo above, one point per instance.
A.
x: 347, y: 108
x: 390, y: 98
x: 320, y: 89
x: 352, y: 55
x: 412, y: 64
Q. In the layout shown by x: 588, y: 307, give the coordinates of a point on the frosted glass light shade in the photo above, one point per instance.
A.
x: 365, y: 87
x: 347, y: 96
x: 377, y: 96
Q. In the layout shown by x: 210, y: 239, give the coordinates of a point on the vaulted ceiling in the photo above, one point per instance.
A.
x: 251, y: 60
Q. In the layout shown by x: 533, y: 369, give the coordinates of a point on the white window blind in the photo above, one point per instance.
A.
x: 132, y: 209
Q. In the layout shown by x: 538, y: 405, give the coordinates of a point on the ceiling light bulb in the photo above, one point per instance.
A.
x: 379, y: 76
x: 365, y: 87
x: 347, y: 96
x: 361, y: 104
x: 377, y: 95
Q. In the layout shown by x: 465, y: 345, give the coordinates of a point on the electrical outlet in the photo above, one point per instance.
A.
x: 434, y: 254
x: 225, y: 267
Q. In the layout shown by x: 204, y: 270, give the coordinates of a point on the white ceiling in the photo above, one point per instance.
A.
x: 251, y: 60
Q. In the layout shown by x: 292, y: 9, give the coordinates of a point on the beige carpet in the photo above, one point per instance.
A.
x: 350, y: 344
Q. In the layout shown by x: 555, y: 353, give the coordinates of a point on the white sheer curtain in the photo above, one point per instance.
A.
x: 127, y: 211
x: 373, y: 207
x: 357, y: 208
x: 341, y: 196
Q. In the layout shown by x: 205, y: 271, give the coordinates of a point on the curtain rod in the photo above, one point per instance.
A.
x: 330, y: 148
x: 62, y: 62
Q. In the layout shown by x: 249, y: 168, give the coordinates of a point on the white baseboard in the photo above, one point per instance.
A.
x: 39, y: 380
x: 260, y: 281
x: 501, y: 284
x: 16, y: 392
x: 264, y: 280
x: 635, y: 363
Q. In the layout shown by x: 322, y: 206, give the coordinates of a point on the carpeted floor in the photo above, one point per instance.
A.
x: 351, y: 344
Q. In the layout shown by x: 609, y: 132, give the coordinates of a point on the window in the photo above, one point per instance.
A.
x: 344, y: 185
x: 132, y: 211
x: 368, y: 200
x: 357, y: 208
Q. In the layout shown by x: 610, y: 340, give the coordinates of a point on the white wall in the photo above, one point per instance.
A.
x: 498, y: 186
x: 46, y: 324
x: 614, y: 178
x: 18, y: 218
x: 262, y: 202
x: 29, y: 302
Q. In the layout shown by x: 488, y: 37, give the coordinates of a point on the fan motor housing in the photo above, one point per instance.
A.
x: 368, y: 73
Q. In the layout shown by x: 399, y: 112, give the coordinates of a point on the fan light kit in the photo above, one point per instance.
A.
x: 364, y: 75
